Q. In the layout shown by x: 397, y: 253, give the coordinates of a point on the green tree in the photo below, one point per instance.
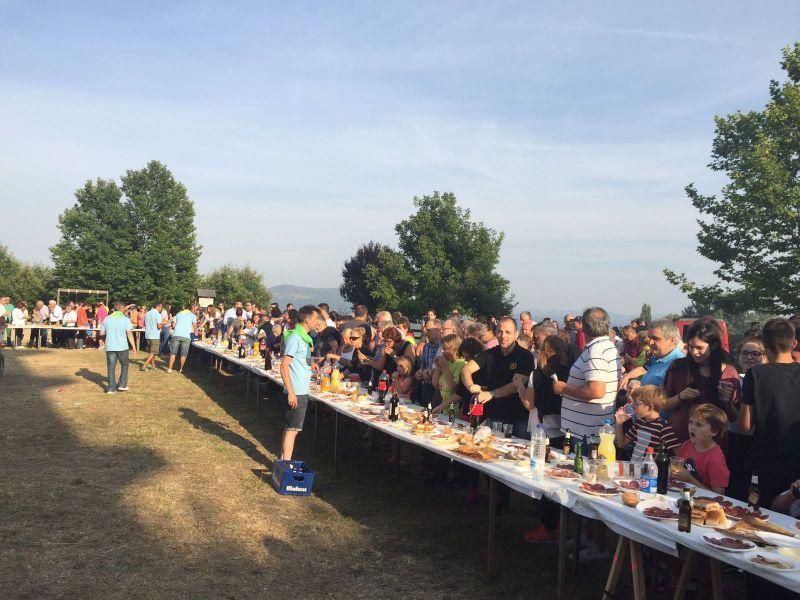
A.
x: 646, y: 313
x: 390, y: 283
x: 354, y: 287
x: 233, y: 284
x: 161, y: 218
x: 752, y: 228
x: 451, y: 260
x: 137, y: 241
x: 96, y: 246
x: 28, y: 282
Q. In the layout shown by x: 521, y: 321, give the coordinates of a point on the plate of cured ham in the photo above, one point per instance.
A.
x: 728, y: 544
x: 598, y: 489
x: 660, y: 509
x: 562, y: 474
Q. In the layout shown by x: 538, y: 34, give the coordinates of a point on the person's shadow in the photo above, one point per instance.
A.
x: 88, y: 375
x: 224, y: 433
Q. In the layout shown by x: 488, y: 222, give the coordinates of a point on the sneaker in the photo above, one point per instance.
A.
x: 122, y: 389
x: 143, y: 368
x: 169, y: 370
x: 111, y: 391
x: 541, y: 535
x: 591, y: 553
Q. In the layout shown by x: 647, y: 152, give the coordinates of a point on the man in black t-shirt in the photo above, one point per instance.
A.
x: 506, y: 365
x: 771, y: 403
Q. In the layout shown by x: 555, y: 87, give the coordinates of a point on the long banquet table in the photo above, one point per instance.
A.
x: 31, y: 327
x: 627, y: 522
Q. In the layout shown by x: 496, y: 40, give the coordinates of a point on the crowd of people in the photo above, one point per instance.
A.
x: 729, y: 415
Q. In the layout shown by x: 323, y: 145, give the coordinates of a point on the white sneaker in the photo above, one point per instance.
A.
x: 590, y: 553
x: 111, y: 391
x: 122, y: 389
x: 169, y: 370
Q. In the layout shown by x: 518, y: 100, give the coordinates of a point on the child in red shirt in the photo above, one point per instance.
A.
x: 704, y: 462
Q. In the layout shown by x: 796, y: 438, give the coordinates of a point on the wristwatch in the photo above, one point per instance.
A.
x: 491, y: 393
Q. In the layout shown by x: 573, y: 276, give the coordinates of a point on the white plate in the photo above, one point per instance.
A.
x: 751, y: 545
x: 626, y: 480
x: 601, y: 494
x: 792, y: 566
x: 663, y: 503
x: 779, y: 539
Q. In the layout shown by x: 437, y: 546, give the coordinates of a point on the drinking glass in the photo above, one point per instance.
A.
x: 508, y: 429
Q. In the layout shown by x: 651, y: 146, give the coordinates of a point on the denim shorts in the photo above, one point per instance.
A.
x: 296, y: 416
x: 179, y: 346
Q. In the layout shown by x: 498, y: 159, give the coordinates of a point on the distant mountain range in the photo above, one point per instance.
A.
x: 299, y: 295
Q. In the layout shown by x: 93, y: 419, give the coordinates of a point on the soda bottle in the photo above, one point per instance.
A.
x: 383, y: 386
x: 606, y: 447
x: 649, y: 478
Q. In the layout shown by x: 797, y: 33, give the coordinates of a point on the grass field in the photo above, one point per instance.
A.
x: 157, y: 493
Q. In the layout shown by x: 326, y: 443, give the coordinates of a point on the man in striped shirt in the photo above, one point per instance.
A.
x: 588, y: 396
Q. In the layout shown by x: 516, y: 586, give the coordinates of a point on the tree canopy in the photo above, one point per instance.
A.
x: 444, y: 261
x: 24, y: 281
x: 137, y: 240
x: 752, y: 228
x: 233, y: 284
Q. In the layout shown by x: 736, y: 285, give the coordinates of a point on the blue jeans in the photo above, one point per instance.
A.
x: 112, y: 358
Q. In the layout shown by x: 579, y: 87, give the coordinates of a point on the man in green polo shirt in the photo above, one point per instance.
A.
x: 118, y: 331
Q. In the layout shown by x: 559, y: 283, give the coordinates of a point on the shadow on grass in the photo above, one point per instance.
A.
x: 224, y: 433
x: 99, y: 379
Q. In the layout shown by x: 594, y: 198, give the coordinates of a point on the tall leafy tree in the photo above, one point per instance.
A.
x: 24, y: 281
x: 96, y: 246
x: 231, y: 284
x: 354, y: 287
x: 164, y: 237
x: 137, y: 240
x: 752, y: 228
x: 452, y: 260
x: 646, y: 313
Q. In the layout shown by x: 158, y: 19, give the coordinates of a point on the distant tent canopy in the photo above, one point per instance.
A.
x: 205, y: 297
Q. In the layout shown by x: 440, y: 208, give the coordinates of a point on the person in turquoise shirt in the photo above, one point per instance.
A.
x: 664, y: 345
x: 296, y: 375
x: 181, y: 339
x: 118, y: 332
x: 152, y: 334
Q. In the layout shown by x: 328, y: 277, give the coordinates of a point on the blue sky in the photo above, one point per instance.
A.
x: 572, y: 127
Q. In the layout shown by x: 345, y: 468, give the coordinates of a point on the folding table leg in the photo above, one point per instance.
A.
x: 716, y: 579
x: 316, y: 425
x: 639, y: 591
x: 563, y: 524
x: 616, y: 568
x: 686, y: 571
x: 492, y: 522
x: 335, y: 443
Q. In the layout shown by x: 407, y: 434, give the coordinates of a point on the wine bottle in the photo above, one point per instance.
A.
x: 394, y: 404
x: 685, y: 512
x: 662, y: 464
x: 567, y: 448
x: 753, y: 494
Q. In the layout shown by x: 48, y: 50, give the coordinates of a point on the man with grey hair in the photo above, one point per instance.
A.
x: 589, y: 395
x: 526, y: 322
x: 665, y: 347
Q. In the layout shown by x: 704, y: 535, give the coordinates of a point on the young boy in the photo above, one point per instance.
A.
x: 649, y: 430
x: 704, y: 462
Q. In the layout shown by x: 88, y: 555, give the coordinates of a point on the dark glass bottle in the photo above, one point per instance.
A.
x: 394, y: 405
x: 662, y: 464
x: 753, y: 494
x: 567, y: 448
x: 685, y: 512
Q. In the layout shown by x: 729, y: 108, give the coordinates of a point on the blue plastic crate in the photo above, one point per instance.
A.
x: 292, y: 478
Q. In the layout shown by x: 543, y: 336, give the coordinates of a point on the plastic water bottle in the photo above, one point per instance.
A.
x: 649, y: 478
x: 538, y: 450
